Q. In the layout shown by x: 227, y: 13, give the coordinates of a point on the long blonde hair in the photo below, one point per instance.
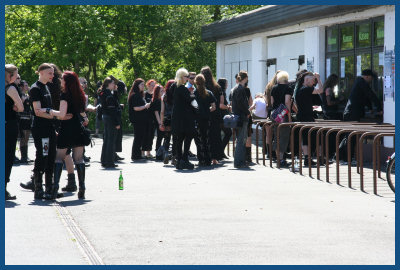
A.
x: 10, y: 69
x: 180, y: 74
x: 268, y: 87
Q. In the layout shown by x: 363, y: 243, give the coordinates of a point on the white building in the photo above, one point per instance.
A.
x: 324, y: 39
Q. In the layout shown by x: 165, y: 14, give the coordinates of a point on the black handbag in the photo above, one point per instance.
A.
x: 85, y: 132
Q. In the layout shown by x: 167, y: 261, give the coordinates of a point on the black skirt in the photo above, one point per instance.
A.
x: 70, y: 135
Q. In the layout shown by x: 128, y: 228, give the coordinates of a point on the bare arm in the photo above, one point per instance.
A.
x: 13, y: 94
x: 319, y: 88
x: 162, y: 112
x: 222, y: 106
x: 141, y: 108
x: 39, y: 112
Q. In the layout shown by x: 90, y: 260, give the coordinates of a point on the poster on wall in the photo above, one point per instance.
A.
x: 389, y: 78
x: 328, y: 67
x: 310, y: 65
x: 358, y: 65
x: 342, y: 65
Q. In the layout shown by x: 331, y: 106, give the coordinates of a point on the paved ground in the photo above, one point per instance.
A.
x: 215, y: 216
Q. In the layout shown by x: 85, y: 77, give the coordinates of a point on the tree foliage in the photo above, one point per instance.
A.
x: 125, y: 41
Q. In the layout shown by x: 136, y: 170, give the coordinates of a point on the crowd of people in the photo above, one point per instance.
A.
x: 190, y: 107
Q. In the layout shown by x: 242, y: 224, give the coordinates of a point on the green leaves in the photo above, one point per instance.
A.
x: 150, y: 42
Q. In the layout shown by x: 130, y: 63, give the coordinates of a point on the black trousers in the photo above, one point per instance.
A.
x: 118, y: 141
x: 45, y: 143
x: 202, y: 141
x: 160, y: 137
x: 183, y: 139
x: 140, y: 132
x: 11, y: 129
x: 227, y: 136
x: 148, y: 140
x: 215, y: 139
x: 109, y: 141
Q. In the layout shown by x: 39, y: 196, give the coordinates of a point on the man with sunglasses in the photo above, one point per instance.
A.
x: 190, y: 85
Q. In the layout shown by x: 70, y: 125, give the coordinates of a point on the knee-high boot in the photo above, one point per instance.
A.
x: 57, y: 174
x: 38, y: 181
x: 71, y: 185
x: 81, y: 178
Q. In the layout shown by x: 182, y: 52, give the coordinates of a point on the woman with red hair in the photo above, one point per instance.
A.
x: 72, y: 101
x: 151, y: 128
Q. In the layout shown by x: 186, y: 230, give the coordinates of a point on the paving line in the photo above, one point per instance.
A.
x: 82, y: 242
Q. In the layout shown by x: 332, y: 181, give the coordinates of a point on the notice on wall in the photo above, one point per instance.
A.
x: 381, y: 59
x: 389, y: 78
x: 358, y: 65
x: 342, y: 67
x: 328, y: 67
x: 310, y: 65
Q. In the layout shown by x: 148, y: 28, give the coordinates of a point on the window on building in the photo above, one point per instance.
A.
x: 353, y: 47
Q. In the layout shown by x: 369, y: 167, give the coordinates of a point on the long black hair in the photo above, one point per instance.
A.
x: 331, y: 81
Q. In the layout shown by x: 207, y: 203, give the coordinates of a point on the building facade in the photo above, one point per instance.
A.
x: 324, y: 39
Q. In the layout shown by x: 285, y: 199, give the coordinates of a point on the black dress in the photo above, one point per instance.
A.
x: 70, y: 135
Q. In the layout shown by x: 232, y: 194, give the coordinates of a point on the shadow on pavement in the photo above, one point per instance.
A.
x: 11, y: 204
x: 77, y: 202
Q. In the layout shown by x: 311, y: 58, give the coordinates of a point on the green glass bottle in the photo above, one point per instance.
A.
x: 121, y: 181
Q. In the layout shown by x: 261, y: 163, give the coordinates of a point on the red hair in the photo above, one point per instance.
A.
x: 149, y: 82
x: 156, y: 93
x: 74, y: 91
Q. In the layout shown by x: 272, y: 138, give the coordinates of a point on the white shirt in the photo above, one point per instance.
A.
x: 260, y: 109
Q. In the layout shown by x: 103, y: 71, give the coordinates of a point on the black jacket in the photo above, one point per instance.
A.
x: 360, y: 96
x: 240, y: 102
x: 183, y: 115
x: 110, y: 106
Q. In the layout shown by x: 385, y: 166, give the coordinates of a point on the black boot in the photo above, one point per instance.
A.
x: 248, y: 154
x: 8, y: 196
x: 38, y: 181
x: 48, y: 183
x: 71, y: 186
x: 30, y: 184
x: 57, y: 174
x: 80, y: 168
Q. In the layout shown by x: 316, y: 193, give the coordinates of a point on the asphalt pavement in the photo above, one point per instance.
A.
x: 213, y: 216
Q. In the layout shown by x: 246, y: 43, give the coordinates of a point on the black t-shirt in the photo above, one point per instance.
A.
x: 137, y: 100
x: 304, y: 103
x: 156, y: 107
x: 279, y: 93
x: 40, y: 92
x: 204, y: 104
x: 10, y: 113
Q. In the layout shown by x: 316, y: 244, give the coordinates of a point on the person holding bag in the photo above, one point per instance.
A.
x: 240, y: 107
x: 281, y: 95
x: 70, y: 135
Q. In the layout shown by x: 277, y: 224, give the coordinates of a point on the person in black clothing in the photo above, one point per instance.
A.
x: 72, y: 101
x: 43, y: 132
x: 303, y: 97
x: 155, y: 107
x: 138, y: 116
x: 281, y: 94
x: 360, y: 94
x: 240, y: 107
x: 25, y: 122
x: 206, y: 102
x: 151, y: 127
x: 119, y: 90
x: 183, y: 119
x: 329, y: 102
x: 13, y: 105
x: 112, y: 122
x: 225, y: 109
x: 249, y: 125
x: 215, y: 116
x: 166, y: 116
